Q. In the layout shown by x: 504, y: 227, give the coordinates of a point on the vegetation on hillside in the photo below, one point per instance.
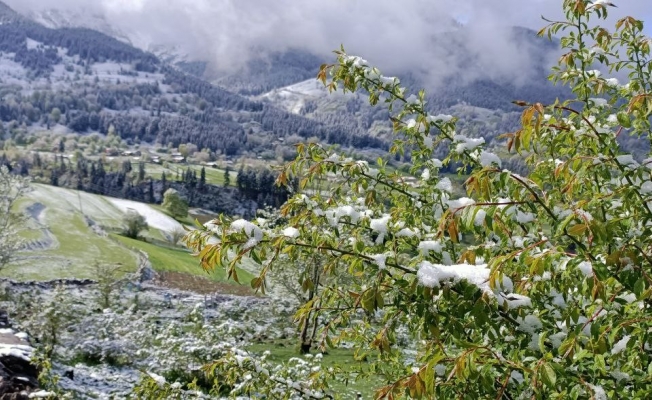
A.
x: 12, y: 223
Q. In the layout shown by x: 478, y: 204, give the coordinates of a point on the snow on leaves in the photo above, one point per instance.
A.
x: 551, y: 259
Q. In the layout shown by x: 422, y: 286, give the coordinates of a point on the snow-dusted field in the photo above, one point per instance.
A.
x: 154, y: 218
x: 105, y: 211
x: 94, y: 206
x: 151, y: 331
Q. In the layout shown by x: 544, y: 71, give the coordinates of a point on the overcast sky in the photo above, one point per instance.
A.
x: 389, y: 33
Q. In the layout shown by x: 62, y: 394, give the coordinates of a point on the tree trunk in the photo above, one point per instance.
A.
x: 306, y: 340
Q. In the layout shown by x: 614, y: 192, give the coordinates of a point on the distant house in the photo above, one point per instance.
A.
x: 112, y: 152
x: 211, y: 164
x: 156, y: 160
x: 176, y: 154
x: 135, y: 153
x: 178, y: 159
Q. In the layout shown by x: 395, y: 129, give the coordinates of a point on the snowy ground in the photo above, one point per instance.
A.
x: 155, y: 218
x: 293, y: 98
x: 95, y: 207
x: 105, y: 211
x: 150, y: 329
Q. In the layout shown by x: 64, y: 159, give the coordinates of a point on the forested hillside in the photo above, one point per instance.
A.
x: 83, y: 81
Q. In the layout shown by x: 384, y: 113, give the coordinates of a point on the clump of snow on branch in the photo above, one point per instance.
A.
x: 488, y: 159
x: 467, y: 144
x: 252, y: 231
x: 291, y: 232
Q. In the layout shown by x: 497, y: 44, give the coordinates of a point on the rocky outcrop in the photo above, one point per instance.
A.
x: 145, y: 271
x: 10, y: 283
x: 18, y: 376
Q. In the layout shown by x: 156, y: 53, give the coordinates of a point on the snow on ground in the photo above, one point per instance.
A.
x: 293, y: 98
x: 33, y: 44
x: 154, y: 218
x: 95, y: 207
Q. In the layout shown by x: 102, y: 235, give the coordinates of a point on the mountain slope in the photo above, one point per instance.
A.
x: 97, y: 83
x: 56, y: 19
x: 83, y: 18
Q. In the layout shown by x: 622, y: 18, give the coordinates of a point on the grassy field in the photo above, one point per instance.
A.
x: 214, y: 176
x: 177, y: 261
x: 282, y: 351
x: 64, y: 246
x: 74, y: 249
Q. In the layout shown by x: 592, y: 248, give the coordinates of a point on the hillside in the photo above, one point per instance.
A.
x: 72, y: 230
x: 76, y: 80
x: 252, y: 122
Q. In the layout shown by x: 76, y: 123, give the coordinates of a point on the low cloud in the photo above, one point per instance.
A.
x: 392, y: 34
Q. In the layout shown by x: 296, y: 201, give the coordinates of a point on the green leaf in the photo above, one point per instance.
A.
x: 577, y: 230
x: 623, y: 119
x: 639, y: 287
x: 255, y: 283
x: 549, y: 376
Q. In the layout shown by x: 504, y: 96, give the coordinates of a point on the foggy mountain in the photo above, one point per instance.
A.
x: 97, y: 82
x: 452, y: 51
x: 479, y: 85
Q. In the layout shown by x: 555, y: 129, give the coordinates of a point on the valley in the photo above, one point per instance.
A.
x: 224, y: 210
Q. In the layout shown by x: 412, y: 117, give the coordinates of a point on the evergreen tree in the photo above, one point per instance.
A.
x: 227, y: 176
x: 37, y: 160
x: 150, y: 193
x: 141, y: 171
x: 202, y: 178
x: 241, y: 178
x: 164, y: 184
x: 54, y: 177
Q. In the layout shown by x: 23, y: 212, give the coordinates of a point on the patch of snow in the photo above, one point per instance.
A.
x: 252, y: 231
x: 445, y: 184
x: 586, y: 268
x: 380, y: 260
x: 467, y: 144
x: 530, y: 324
x: 430, y: 245
x: 434, y: 275
x: 33, y: 44
x: 598, y: 392
x: 460, y: 203
x: 41, y: 394
x: 154, y: 218
x: 488, y: 159
x: 620, y: 345
x: 627, y: 160
x: 291, y: 232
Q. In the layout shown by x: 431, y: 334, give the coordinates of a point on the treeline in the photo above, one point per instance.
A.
x: 196, y: 114
x: 256, y: 184
x: 131, y: 183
